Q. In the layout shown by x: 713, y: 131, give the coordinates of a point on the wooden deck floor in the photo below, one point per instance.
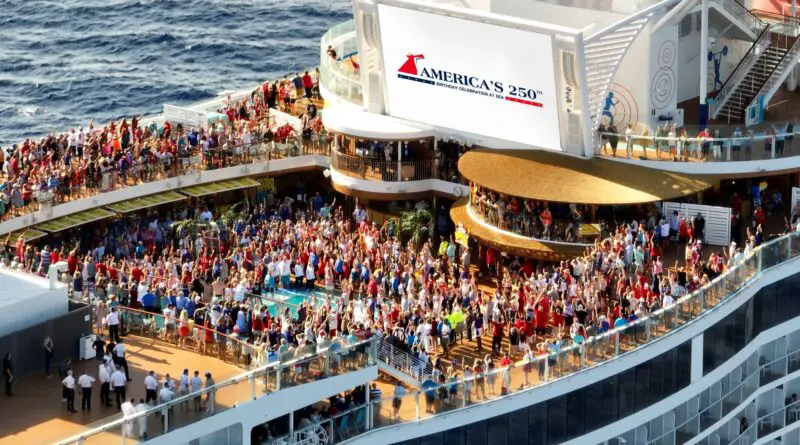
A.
x: 36, y: 414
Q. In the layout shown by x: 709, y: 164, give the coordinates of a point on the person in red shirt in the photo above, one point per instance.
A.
x: 497, y: 334
x: 308, y: 84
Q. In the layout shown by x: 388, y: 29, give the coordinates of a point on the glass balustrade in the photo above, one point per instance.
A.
x: 223, y: 396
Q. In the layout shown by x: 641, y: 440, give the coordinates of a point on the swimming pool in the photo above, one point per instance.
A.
x: 294, y: 298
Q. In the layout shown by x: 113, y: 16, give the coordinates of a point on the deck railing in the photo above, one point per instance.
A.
x: 333, y: 359
x: 375, y: 169
x: 679, y: 148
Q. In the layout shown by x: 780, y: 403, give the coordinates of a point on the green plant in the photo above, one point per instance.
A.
x: 226, y: 219
x: 416, y: 225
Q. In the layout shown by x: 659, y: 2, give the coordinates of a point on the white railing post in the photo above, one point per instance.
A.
x: 546, y: 368
x: 772, y: 147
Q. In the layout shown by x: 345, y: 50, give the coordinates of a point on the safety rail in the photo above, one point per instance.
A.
x: 404, y: 362
x: 376, y: 169
x: 186, y: 162
x: 341, y: 75
x: 681, y: 148
x: 764, y: 424
x: 780, y: 73
x: 739, y: 73
x: 732, y: 399
x: 744, y: 15
x: 605, y: 49
x: 781, y: 24
x: 445, y: 394
x: 336, y: 358
x: 204, y: 339
x: 561, y: 231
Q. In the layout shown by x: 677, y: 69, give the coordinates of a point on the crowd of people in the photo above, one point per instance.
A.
x: 97, y: 158
x: 532, y: 218
x: 423, y: 298
x: 678, y: 144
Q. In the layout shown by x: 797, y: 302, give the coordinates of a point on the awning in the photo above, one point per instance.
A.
x: 144, y: 202
x: 353, y: 122
x: 544, y: 175
x: 220, y: 187
x: 74, y: 220
x: 30, y: 235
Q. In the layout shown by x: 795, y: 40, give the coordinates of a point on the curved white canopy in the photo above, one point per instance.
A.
x: 361, y: 124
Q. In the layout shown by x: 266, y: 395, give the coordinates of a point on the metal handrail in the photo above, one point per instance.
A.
x: 257, y: 373
x: 404, y: 362
x: 722, y: 397
x: 746, y: 433
x: 773, y: 82
x: 740, y: 72
x: 739, y: 10
x: 381, y: 170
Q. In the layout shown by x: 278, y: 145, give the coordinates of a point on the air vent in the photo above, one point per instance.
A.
x: 568, y: 67
x: 368, y: 25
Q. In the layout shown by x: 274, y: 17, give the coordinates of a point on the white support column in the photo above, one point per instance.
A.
x: 583, y: 88
x: 291, y: 427
x: 399, y: 160
x: 697, y: 358
x: 703, y: 51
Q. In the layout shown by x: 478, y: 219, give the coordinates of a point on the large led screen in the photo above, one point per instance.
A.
x: 470, y: 76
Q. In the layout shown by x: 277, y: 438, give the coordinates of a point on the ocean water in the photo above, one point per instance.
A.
x: 65, y: 62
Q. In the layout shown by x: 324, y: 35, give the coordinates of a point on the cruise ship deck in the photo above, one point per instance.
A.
x: 36, y: 414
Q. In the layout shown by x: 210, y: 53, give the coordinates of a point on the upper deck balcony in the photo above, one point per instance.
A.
x: 339, y: 66
x: 723, y: 150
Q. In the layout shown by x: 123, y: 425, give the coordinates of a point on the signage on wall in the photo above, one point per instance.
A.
x: 469, y: 76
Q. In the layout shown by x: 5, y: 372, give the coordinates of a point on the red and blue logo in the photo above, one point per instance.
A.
x: 410, y: 70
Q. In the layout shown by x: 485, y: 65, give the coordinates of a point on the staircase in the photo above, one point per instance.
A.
x: 402, y: 365
x: 767, y: 61
x: 779, y: 75
x: 603, y: 52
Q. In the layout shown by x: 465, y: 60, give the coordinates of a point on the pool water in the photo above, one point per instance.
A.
x: 294, y: 298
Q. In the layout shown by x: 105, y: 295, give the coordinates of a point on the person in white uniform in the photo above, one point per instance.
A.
x: 85, y: 381
x: 128, y: 410
x: 142, y: 421
x: 69, y: 385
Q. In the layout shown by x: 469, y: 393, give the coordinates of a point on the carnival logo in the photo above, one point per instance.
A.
x: 428, y: 75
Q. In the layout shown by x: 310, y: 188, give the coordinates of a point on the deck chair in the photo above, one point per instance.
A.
x: 344, y: 427
x: 359, y: 422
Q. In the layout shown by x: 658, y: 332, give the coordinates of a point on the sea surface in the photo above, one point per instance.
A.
x: 65, y: 62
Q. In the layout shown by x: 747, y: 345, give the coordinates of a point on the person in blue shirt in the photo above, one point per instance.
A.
x: 191, y: 306
x: 604, y: 326
x: 140, y: 250
x: 622, y: 320
x: 180, y: 303
x: 317, y: 202
x: 149, y: 301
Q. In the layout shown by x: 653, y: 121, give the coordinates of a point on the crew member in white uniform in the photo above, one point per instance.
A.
x: 85, y: 381
x: 69, y: 384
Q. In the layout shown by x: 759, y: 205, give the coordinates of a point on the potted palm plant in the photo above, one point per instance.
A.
x: 415, y: 225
